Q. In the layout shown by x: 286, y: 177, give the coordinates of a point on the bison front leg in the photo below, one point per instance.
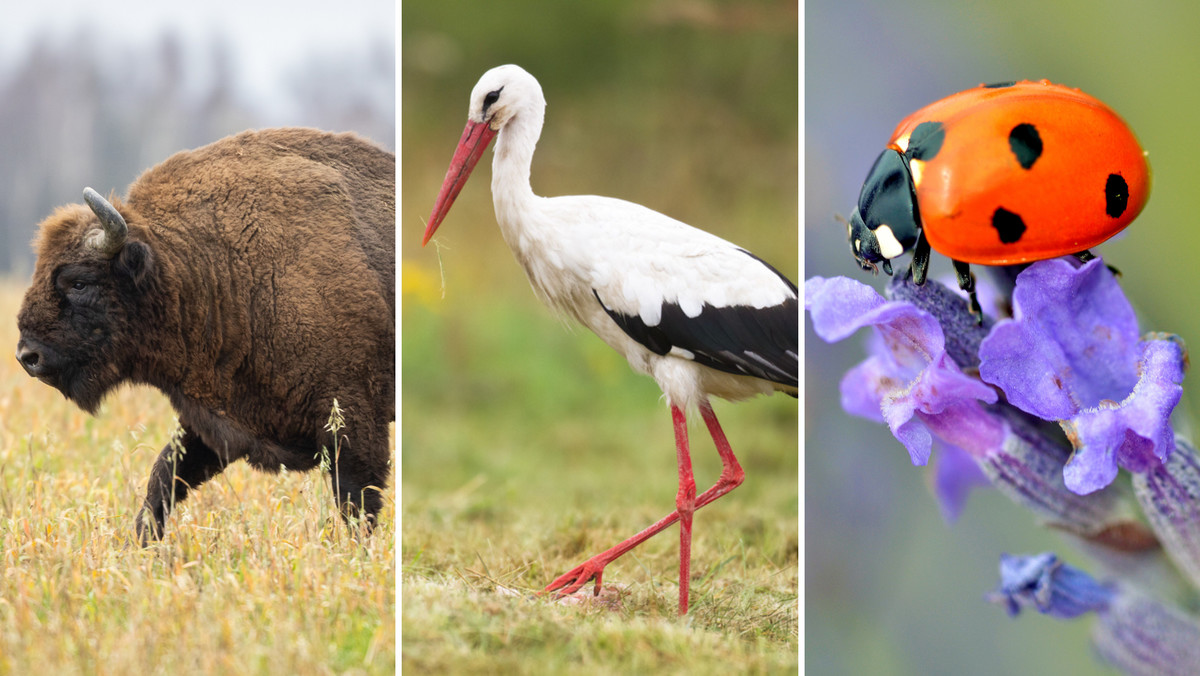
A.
x: 359, y: 496
x: 358, y: 473
x: 184, y: 464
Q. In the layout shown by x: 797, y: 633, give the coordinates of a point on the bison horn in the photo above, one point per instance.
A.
x: 110, y: 240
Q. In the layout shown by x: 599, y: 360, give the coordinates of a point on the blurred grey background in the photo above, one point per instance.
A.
x: 890, y: 587
x: 95, y: 93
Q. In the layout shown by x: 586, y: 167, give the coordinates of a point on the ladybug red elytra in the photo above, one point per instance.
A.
x: 1000, y: 174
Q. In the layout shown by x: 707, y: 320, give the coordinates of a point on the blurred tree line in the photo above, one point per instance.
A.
x: 84, y: 111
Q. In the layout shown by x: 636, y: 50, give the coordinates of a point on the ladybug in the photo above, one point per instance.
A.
x: 1002, y: 174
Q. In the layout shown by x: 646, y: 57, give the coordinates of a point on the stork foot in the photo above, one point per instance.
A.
x: 573, y: 580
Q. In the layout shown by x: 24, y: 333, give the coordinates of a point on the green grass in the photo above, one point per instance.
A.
x: 528, y: 449
x: 256, y: 575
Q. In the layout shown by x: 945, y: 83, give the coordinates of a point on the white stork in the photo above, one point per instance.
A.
x: 698, y: 314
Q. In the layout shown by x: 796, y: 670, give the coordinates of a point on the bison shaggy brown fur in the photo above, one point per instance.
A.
x: 253, y: 282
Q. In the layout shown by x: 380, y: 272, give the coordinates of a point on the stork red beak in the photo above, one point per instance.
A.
x: 475, y: 140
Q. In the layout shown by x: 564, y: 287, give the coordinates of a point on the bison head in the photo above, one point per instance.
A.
x: 87, y: 288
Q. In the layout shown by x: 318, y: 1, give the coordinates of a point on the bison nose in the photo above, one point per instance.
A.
x: 32, y: 360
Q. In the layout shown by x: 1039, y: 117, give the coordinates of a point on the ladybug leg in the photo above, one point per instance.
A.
x: 1085, y: 256
x: 920, y: 260
x: 966, y: 282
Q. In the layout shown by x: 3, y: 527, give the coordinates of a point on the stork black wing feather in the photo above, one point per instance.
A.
x: 759, y: 342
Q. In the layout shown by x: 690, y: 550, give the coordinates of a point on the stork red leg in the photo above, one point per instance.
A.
x: 731, y: 472
x: 685, y: 505
x: 731, y: 477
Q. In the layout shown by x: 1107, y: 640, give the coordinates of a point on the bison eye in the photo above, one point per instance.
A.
x: 79, y: 285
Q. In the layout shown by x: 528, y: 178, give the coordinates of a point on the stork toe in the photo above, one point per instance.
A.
x: 573, y: 580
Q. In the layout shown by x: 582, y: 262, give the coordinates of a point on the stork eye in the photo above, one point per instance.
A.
x: 491, y: 98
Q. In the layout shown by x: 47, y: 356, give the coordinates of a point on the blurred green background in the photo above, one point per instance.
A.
x: 520, y: 437
x: 891, y: 589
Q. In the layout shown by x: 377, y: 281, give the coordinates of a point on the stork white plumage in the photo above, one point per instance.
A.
x: 698, y: 314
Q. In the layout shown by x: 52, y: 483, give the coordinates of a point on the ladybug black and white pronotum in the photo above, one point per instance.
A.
x: 1000, y: 175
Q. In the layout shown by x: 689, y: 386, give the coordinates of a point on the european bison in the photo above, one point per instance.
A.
x: 253, y: 282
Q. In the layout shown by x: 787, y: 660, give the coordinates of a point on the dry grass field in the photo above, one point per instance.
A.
x: 256, y: 574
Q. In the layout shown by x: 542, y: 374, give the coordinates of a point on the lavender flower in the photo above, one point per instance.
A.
x: 912, y: 380
x: 909, y: 381
x: 1072, y: 354
x: 1084, y: 395
x: 1049, y: 585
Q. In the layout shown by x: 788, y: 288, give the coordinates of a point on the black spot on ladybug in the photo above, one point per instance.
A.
x: 999, y: 85
x: 925, y: 141
x: 1009, y: 225
x: 1116, y: 195
x: 1026, y: 144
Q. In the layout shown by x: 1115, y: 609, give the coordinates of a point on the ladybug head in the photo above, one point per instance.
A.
x: 885, y: 223
x: 866, y: 246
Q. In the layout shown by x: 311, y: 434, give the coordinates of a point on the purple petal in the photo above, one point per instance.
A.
x: 899, y: 409
x: 1093, y: 466
x: 968, y: 425
x: 1029, y: 368
x: 955, y: 474
x: 943, y: 385
x: 1136, y: 433
x: 840, y: 306
x: 953, y: 414
x: 1072, y: 343
x: 836, y: 304
x: 864, y: 387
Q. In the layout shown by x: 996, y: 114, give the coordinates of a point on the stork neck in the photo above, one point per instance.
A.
x: 511, y: 191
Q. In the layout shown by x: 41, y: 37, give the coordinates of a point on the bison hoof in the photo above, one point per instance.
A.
x: 149, y: 529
